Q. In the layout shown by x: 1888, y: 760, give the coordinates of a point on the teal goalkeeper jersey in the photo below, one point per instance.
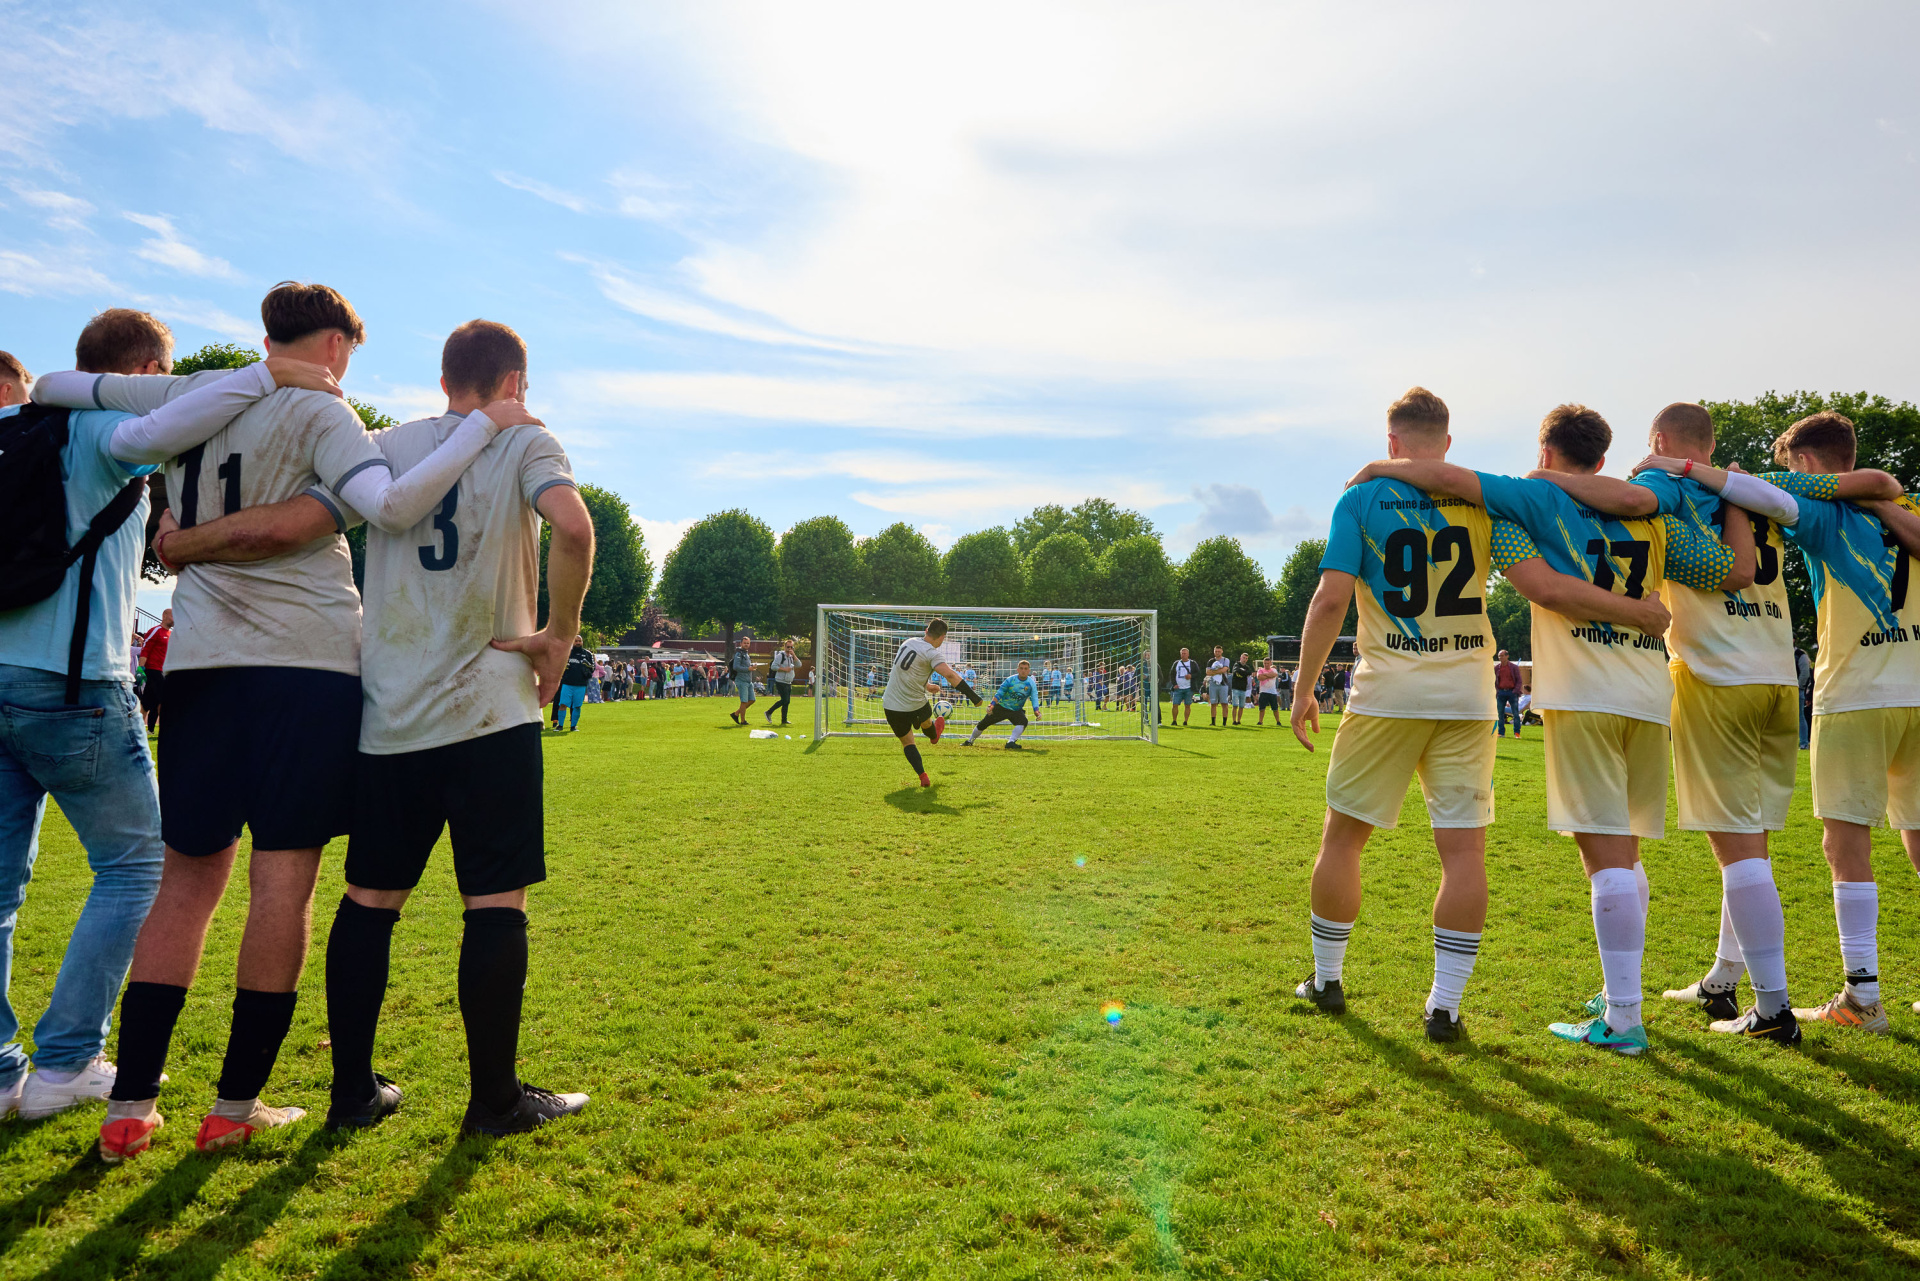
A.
x: 1015, y: 692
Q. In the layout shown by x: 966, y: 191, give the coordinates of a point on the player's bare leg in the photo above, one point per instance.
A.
x: 1334, y: 906
x: 1856, y: 914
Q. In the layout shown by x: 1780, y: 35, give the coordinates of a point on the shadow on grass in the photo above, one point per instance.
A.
x: 1713, y: 1211
x: 390, y: 1246
x: 42, y: 1200
x: 924, y: 800
x: 1891, y: 1083
x: 1184, y: 751
x: 114, y: 1246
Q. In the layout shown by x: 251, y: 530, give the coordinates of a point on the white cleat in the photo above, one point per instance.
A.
x: 42, y: 1097
x: 233, y: 1122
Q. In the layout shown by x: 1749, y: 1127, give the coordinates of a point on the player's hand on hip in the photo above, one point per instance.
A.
x: 288, y: 372
x: 548, y: 651
x: 1306, y: 712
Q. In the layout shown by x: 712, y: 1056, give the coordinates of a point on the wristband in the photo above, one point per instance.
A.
x: 1684, y: 470
x: 159, y: 541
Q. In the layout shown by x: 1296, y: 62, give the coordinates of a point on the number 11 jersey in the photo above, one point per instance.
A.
x: 438, y: 593
x: 1425, y: 642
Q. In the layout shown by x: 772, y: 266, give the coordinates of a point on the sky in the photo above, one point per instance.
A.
x: 942, y: 264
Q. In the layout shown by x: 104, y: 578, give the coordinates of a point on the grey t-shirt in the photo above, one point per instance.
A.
x: 438, y: 593
x: 297, y: 609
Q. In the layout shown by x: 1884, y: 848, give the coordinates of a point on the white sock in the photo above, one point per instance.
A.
x: 1751, y: 901
x: 1642, y: 887
x: 1856, y: 910
x: 1454, y: 952
x: 1620, y: 928
x: 1013, y: 735
x: 1729, y: 962
x: 1329, y: 948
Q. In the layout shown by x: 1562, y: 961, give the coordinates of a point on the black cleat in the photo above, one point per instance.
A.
x: 1782, y: 1029
x: 1014, y: 747
x: 358, y: 1116
x: 1329, y: 998
x: 534, y: 1109
x: 1444, y: 1026
x: 1719, y: 1003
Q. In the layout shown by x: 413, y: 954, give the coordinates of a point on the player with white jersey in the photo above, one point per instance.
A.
x: 905, y: 702
x: 1735, y: 694
x: 264, y: 695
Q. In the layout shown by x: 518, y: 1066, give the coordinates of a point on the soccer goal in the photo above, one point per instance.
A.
x: 1095, y: 667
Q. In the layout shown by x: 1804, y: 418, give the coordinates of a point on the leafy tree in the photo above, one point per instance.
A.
x: 983, y: 569
x: 1135, y: 573
x: 724, y: 571
x: 1299, y: 579
x: 373, y: 420
x: 216, y: 355
x: 1889, y: 438
x: 902, y: 567
x: 1061, y: 572
x: 1100, y: 521
x: 1511, y: 617
x: 622, y: 570
x: 1223, y: 599
x: 819, y: 564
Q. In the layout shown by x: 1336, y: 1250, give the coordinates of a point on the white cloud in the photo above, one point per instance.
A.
x: 1240, y: 511
x: 545, y: 191
x: 61, y: 211
x: 888, y: 467
x: 191, y: 311
x: 30, y: 276
x: 167, y: 249
x: 982, y: 503
x: 662, y: 536
x: 654, y: 304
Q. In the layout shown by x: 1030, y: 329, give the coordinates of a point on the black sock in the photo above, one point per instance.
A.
x: 260, y: 1023
x: 357, y: 955
x: 148, y: 1012
x: 913, y: 758
x: 493, y: 980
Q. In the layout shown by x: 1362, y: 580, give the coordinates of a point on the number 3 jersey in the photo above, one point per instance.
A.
x: 438, y: 593
x: 1425, y: 643
x: 1580, y: 665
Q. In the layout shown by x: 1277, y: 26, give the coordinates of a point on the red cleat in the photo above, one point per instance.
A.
x: 127, y: 1137
x: 939, y: 728
x: 925, y: 781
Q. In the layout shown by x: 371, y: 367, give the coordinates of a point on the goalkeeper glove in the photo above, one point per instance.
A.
x: 968, y: 691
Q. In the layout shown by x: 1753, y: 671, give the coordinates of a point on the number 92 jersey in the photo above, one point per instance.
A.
x: 438, y: 593
x: 1426, y: 648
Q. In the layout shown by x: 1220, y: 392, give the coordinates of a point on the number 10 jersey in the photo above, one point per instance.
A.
x: 1426, y: 647
x: 438, y: 593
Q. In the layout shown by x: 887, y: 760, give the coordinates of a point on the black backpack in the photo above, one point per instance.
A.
x: 34, y: 555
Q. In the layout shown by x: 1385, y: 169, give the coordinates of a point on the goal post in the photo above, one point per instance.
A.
x: 1095, y: 668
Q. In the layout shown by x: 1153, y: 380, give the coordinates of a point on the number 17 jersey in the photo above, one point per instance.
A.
x: 1425, y: 642
x: 438, y: 593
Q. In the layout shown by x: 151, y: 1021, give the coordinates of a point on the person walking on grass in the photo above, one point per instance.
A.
x: 573, y: 686
x: 1506, y: 694
x: 740, y: 668
x: 780, y: 672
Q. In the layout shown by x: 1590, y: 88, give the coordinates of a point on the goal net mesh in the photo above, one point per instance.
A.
x: 1094, y: 668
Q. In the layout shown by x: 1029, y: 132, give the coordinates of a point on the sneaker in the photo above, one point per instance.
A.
x: 10, y: 1097
x: 1596, y: 1006
x: 125, y: 1136
x: 1329, y: 998
x: 1595, y: 1032
x: 1719, y: 1003
x: 1014, y: 747
x: 534, y: 1109
x: 358, y: 1116
x: 925, y: 781
x: 1844, y: 1011
x: 222, y: 1131
x: 40, y: 1097
x: 1443, y: 1026
x: 1782, y: 1027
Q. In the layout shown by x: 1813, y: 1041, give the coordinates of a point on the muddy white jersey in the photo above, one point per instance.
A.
x: 912, y: 667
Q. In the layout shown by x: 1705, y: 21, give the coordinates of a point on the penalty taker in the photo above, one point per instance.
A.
x: 905, y: 702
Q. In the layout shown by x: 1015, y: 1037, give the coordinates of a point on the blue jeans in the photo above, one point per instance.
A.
x: 93, y: 759
x: 1505, y: 701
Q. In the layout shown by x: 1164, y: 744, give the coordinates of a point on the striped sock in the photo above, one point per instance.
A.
x: 1454, y: 952
x: 1329, y: 948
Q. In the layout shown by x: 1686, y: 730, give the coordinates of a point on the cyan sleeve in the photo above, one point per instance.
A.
x: 1511, y: 545
x: 1665, y: 487
x: 1818, y: 529
x: 1345, y: 544
x: 1510, y: 498
x: 1695, y: 558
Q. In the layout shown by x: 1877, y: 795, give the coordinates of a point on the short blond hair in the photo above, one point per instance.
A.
x: 1688, y: 422
x: 1418, y: 410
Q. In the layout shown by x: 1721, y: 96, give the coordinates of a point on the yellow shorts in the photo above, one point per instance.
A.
x: 1375, y: 757
x: 1866, y: 766
x: 1735, y: 748
x: 1606, y: 774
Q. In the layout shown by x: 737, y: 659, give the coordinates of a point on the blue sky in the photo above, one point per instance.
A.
x: 942, y: 264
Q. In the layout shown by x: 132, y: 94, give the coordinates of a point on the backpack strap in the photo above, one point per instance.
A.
x: 87, y: 551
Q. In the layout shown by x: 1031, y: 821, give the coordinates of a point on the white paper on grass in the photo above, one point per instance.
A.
x: 761, y: 733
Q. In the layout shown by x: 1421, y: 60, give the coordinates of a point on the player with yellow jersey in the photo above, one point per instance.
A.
x: 1422, y: 701
x: 1735, y: 695
x: 1600, y: 681
x: 1866, y: 696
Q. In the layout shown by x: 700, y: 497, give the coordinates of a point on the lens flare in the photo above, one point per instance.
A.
x: 1111, y: 1012
x: 1081, y: 861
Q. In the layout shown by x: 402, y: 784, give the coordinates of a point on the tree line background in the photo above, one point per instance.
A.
x: 730, y: 570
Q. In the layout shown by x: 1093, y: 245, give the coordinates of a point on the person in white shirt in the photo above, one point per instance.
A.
x: 905, y: 703
x: 1217, y: 686
x: 1182, y: 689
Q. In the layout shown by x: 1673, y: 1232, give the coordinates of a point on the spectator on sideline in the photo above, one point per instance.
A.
x: 1526, y: 707
x: 573, y: 685
x: 1182, y: 689
x: 1266, y: 679
x: 1506, y: 694
x: 1239, y: 679
x: 1217, y: 683
x: 1285, y: 684
x: 597, y: 683
x: 153, y: 669
x: 780, y: 670
x: 741, y: 669
x: 1803, y: 670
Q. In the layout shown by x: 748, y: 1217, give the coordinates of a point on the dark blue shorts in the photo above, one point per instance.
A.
x: 268, y: 749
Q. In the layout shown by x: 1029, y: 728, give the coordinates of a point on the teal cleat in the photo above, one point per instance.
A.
x: 1596, y: 1033
x: 1597, y: 1004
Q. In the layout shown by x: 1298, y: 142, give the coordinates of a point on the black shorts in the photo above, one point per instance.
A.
x: 487, y: 790
x: 997, y: 713
x: 1270, y: 700
x: 153, y: 690
x: 904, y: 723
x: 269, y: 749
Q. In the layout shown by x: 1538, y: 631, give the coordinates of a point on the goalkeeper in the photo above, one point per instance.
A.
x: 1009, y: 705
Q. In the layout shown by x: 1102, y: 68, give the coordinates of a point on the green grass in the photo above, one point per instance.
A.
x: 836, y: 1026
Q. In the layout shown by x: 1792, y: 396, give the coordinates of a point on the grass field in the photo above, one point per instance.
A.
x: 838, y: 1026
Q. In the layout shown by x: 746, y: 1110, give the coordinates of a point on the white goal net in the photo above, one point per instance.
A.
x: 1094, y: 667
